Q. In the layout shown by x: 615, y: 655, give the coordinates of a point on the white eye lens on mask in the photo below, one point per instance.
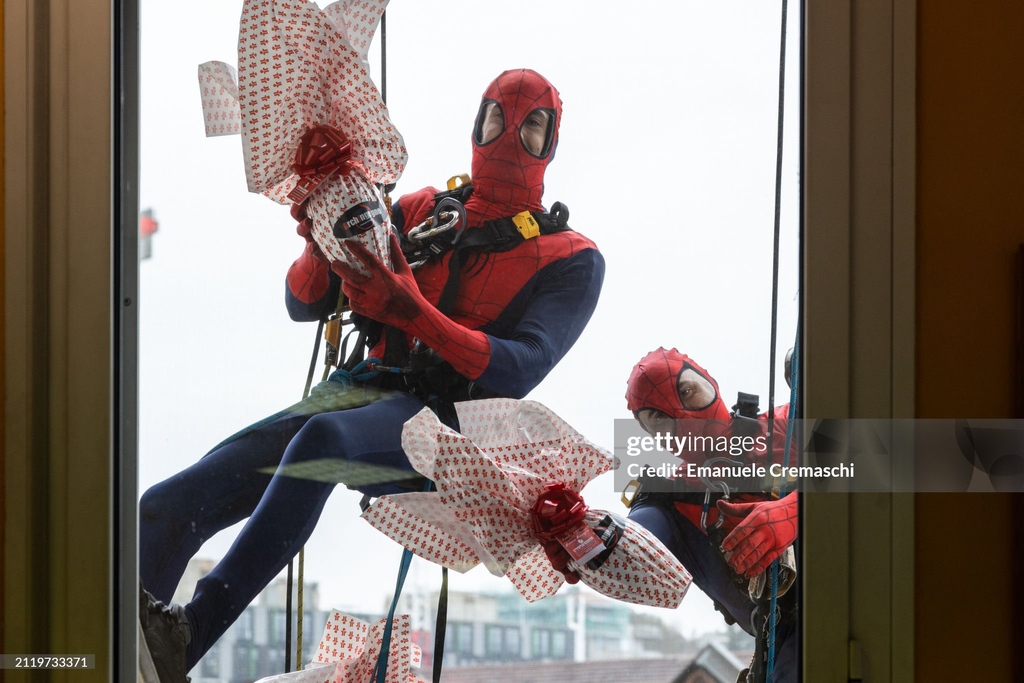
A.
x: 537, y: 131
x: 490, y: 122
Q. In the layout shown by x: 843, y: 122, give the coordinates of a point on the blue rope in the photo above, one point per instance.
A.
x: 360, y: 373
x: 381, y: 669
x: 790, y: 428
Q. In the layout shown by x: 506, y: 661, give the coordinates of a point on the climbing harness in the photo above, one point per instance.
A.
x: 420, y: 370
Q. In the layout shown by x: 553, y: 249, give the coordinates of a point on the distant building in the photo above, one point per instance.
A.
x: 713, y: 664
x: 607, y: 671
x: 575, y: 635
x: 574, y: 625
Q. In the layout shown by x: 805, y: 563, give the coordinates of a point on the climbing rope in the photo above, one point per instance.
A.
x: 774, y: 569
x: 291, y: 568
x: 790, y: 428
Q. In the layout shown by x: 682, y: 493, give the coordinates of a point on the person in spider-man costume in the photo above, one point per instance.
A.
x: 515, y: 315
x: 665, y: 389
x: 669, y: 392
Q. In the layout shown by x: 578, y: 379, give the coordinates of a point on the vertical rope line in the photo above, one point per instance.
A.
x: 384, y: 56
x: 289, y: 581
x: 773, y: 605
x: 777, y: 225
x: 288, y: 617
x: 794, y: 397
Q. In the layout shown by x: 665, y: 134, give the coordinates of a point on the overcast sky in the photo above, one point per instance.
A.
x: 666, y: 159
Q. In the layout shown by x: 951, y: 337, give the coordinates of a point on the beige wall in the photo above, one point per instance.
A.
x: 970, y: 133
x: 57, y: 459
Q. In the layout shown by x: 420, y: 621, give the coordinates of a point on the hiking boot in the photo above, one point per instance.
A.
x: 167, y: 634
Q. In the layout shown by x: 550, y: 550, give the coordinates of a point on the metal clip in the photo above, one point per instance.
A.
x: 719, y: 486
x: 448, y: 213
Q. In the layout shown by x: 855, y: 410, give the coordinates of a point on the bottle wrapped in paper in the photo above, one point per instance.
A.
x: 348, y: 653
x: 314, y: 128
x: 513, y: 460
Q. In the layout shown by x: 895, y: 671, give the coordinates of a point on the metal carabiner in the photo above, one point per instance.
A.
x: 448, y: 213
x: 718, y: 486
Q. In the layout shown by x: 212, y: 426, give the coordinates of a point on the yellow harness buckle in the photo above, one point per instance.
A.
x: 332, y: 332
x: 629, y: 493
x: 526, y: 224
x: 460, y: 180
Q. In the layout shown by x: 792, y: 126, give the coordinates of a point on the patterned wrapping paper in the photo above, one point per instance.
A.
x: 488, y: 477
x: 348, y: 653
x: 300, y: 68
x: 218, y: 86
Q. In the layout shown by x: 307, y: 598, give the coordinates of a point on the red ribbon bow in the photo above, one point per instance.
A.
x: 322, y: 151
x: 556, y: 511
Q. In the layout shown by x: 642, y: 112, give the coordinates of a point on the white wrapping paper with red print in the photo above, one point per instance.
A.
x: 302, y: 71
x: 218, y: 86
x: 348, y: 653
x: 488, y: 478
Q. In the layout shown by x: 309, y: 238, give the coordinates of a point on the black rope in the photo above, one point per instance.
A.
x: 770, y: 664
x: 777, y: 231
x: 288, y: 619
x: 384, y: 57
x: 440, y: 627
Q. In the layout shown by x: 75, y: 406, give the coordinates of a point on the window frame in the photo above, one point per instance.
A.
x: 71, y: 86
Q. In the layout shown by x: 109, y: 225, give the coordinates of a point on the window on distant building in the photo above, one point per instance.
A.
x: 211, y: 663
x: 513, y: 645
x: 559, y: 643
x: 541, y: 641
x: 494, y: 641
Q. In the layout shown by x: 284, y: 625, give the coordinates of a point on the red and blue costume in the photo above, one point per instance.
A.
x: 758, y: 530
x: 516, y: 313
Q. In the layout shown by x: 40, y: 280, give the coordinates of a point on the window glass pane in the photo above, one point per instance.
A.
x: 666, y: 158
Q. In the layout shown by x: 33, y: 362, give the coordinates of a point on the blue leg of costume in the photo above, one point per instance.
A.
x: 179, y: 514
x: 283, y: 509
x: 712, y: 575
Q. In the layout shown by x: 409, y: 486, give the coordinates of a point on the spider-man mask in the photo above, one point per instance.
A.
x: 514, y: 139
x: 655, y: 384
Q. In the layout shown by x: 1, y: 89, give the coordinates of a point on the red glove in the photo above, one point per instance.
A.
x: 559, y: 558
x: 766, y: 530
x: 309, y: 276
x: 394, y: 298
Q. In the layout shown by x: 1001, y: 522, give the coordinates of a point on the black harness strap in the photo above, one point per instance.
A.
x: 494, y: 237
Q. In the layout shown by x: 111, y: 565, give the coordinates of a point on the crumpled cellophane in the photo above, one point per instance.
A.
x: 488, y: 478
x: 348, y: 653
x: 302, y: 68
